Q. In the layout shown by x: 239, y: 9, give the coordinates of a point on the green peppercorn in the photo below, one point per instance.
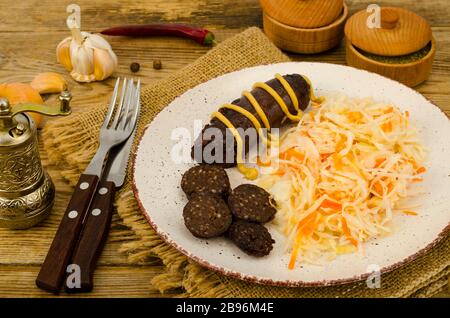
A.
x: 134, y: 67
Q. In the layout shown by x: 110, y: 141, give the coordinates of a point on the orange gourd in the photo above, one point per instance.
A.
x: 43, y: 83
x: 17, y: 93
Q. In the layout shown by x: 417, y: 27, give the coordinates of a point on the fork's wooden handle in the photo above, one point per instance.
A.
x: 54, y: 267
x: 92, y: 239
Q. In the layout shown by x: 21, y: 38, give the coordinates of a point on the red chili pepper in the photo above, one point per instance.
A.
x: 197, y: 34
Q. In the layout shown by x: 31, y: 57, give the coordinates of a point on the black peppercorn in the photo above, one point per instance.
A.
x: 134, y: 67
x: 157, y: 64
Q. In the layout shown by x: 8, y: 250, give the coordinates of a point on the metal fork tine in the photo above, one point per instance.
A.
x: 112, y: 136
x: 137, y: 106
x: 130, y: 94
x: 112, y: 105
x: 119, y: 107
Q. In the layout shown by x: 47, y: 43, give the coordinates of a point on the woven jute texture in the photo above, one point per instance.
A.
x: 71, y: 142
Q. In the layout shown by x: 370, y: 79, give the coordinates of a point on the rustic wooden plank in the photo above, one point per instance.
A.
x: 45, y: 15
x: 100, y: 14
x: 110, y: 281
x: 29, y: 32
x: 18, y: 65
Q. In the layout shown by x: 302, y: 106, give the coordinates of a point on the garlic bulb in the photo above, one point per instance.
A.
x: 88, y: 57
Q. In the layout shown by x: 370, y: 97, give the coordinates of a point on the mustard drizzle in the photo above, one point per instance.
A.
x: 279, y: 100
x: 290, y: 92
x: 249, y: 173
x: 252, y: 173
x: 251, y: 117
x: 258, y: 109
x: 312, y: 96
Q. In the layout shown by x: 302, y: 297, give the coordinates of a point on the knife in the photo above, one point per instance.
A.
x: 118, y: 125
x: 98, y: 221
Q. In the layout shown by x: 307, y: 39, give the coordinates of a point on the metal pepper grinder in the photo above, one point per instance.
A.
x: 27, y: 192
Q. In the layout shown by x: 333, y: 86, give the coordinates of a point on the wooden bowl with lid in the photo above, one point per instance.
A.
x: 304, y: 26
x: 401, y: 48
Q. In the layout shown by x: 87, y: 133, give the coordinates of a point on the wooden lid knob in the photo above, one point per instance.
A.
x: 400, y: 31
x: 389, y: 18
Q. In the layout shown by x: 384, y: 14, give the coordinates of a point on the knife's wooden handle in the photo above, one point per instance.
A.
x: 54, y: 267
x: 92, y: 239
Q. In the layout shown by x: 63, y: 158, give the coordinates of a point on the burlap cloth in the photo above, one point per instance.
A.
x: 72, y: 141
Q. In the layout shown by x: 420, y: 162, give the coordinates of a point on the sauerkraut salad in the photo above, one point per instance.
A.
x: 339, y: 175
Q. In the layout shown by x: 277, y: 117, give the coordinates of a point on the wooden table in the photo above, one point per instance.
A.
x: 29, y: 33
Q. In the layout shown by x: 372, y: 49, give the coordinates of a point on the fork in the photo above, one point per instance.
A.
x: 119, y: 123
x: 117, y: 131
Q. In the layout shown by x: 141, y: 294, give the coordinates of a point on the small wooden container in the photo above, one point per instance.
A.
x: 402, y: 48
x: 304, y: 26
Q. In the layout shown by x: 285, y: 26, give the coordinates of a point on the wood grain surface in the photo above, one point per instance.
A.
x: 301, y: 40
x: 305, y: 13
x: 405, y: 33
x: 29, y: 33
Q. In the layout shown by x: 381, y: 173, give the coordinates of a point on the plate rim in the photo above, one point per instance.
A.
x: 267, y: 281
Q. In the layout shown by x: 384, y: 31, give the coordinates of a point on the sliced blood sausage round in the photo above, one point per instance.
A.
x: 206, y: 179
x: 207, y: 216
x: 251, y: 203
x: 252, y: 238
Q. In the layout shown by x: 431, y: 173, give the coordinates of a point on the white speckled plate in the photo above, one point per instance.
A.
x: 157, y: 179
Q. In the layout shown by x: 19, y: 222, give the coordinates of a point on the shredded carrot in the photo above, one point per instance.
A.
x: 304, y: 227
x: 421, y: 170
x: 279, y: 172
x: 292, y: 153
x: 390, y: 187
x: 337, y: 196
x: 413, y: 162
x: 342, y: 175
x: 341, y: 144
x: 261, y: 163
x: 297, y: 155
x: 379, y: 162
x: 304, y: 222
x: 309, y: 227
x: 390, y: 109
x: 354, y: 116
x: 417, y: 180
x: 329, y: 212
x: 325, y: 156
x: 331, y: 204
x: 377, y: 187
x: 337, y: 160
x: 293, y: 258
x: 347, y: 232
x: 387, y: 127
x: 407, y: 113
